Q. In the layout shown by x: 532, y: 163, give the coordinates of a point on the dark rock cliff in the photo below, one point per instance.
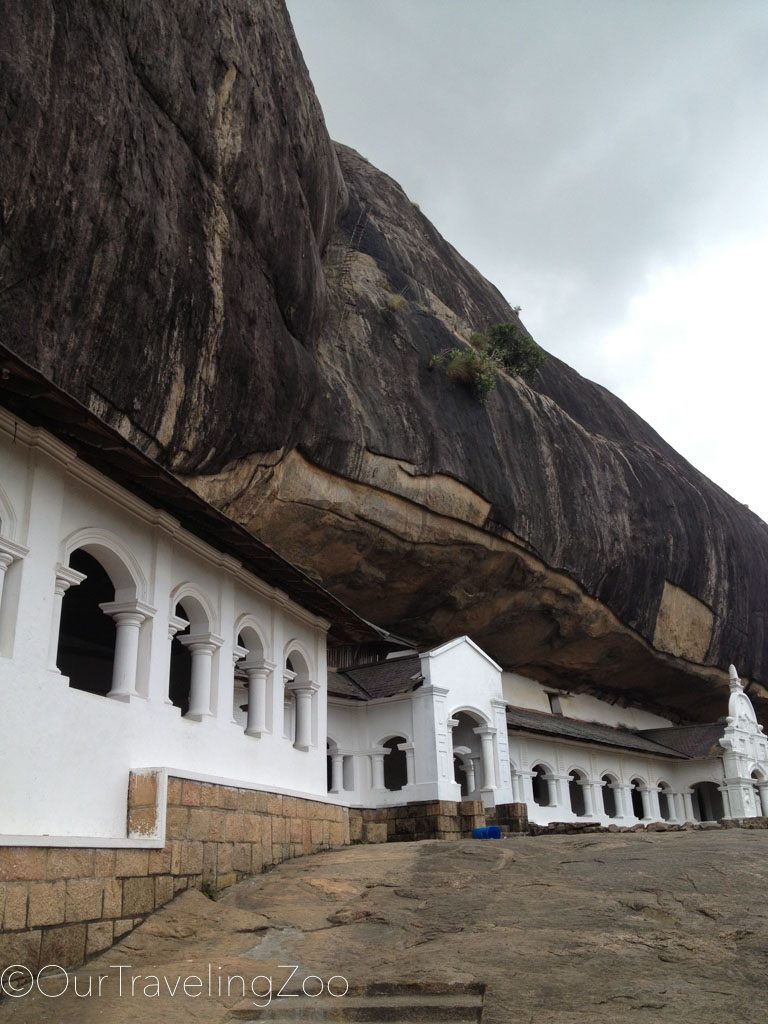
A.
x: 185, y: 250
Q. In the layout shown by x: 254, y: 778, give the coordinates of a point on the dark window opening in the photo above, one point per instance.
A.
x: 576, y: 793
x: 180, y: 676
x: 86, y: 651
x: 609, y: 799
x: 540, y: 786
x: 637, y: 802
x: 395, y: 765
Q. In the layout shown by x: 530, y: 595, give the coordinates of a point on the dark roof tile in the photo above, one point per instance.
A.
x: 586, y: 732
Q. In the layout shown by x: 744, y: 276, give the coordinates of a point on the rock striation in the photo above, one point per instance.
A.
x: 185, y: 250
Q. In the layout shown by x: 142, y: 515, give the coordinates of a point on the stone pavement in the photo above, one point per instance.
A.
x: 604, y: 929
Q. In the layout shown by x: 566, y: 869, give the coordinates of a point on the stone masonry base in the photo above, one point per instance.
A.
x: 62, y: 905
x: 425, y: 819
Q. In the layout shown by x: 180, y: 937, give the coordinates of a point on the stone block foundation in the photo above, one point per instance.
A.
x: 64, y: 904
x: 423, y: 819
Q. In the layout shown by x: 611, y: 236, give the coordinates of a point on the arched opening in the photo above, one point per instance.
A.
x: 542, y: 793
x: 86, y: 649
x: 192, y: 649
x: 665, y: 801
x: 252, y: 706
x: 707, y: 802
x: 576, y: 784
x: 637, y: 798
x: 467, y: 746
x: 760, y: 792
x: 395, y: 764
x: 329, y: 748
x: 180, y: 672
x: 609, y: 795
x: 299, y: 703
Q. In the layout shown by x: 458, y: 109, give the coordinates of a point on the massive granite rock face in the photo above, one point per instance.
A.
x: 185, y: 250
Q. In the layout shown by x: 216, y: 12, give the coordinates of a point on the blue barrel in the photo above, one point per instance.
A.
x: 487, y: 832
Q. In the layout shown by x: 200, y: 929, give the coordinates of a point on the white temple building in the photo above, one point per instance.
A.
x: 141, y: 629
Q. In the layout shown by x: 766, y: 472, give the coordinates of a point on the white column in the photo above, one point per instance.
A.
x: 304, y: 695
x: 596, y: 791
x: 5, y: 560
x: 65, y: 578
x: 410, y: 762
x: 688, y: 805
x: 258, y: 673
x: 623, y: 793
x: 589, y: 803
x: 654, y: 807
x: 238, y: 653
x: 128, y: 617
x: 645, y: 797
x: 337, y: 773
x: 377, y: 767
x: 486, y: 734
x: 679, y: 806
x: 469, y: 768
x: 202, y: 648
x: 175, y: 625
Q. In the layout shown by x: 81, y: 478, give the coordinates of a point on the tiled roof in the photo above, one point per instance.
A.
x: 690, y: 740
x: 524, y: 720
x: 382, y: 679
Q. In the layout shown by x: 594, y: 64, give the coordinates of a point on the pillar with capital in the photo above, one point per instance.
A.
x: 410, y: 762
x: 201, y: 647
x: 377, y: 767
x: 258, y: 672
x: 9, y: 553
x: 303, y: 695
x: 65, y: 578
x: 128, y: 617
x: 337, y: 772
x: 486, y: 734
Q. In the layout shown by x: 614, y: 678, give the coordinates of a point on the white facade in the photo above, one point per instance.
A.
x: 250, y: 665
x: 66, y: 753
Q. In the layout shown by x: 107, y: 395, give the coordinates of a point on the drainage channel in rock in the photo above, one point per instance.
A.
x: 414, y: 1002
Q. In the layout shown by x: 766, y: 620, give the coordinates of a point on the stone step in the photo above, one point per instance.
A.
x: 400, y: 1003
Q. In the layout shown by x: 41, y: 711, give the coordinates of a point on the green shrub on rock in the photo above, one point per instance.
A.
x: 518, y: 352
x: 477, y: 370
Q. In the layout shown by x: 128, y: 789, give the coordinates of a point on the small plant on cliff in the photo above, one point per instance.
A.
x: 396, y: 303
x: 475, y: 369
x: 513, y: 347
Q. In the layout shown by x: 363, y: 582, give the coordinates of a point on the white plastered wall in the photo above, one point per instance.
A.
x: 65, y: 754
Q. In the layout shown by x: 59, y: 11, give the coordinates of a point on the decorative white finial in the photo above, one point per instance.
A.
x: 733, y: 678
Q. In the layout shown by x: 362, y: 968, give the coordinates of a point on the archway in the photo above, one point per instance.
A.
x: 299, y: 704
x: 576, y: 784
x: 86, y: 648
x: 395, y: 764
x: 760, y: 787
x: 665, y: 801
x: 636, y: 788
x: 252, y: 702
x: 541, y: 786
x: 189, y: 676
x: 707, y: 802
x: 467, y: 745
x: 610, y: 783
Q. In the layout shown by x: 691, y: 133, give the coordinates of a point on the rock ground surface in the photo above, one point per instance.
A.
x: 563, y: 930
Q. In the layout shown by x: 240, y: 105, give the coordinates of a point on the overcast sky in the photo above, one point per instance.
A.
x: 605, y: 164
